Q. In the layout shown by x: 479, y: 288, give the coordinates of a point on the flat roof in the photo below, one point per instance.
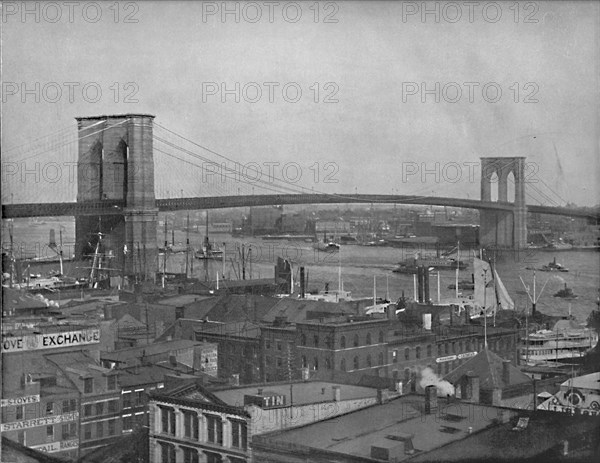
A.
x: 355, y: 433
x: 303, y: 392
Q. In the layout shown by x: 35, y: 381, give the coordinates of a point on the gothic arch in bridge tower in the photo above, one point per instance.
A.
x: 115, y: 163
x: 503, y: 229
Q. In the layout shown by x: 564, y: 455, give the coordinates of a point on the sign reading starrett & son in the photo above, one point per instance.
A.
x: 35, y: 422
x: 49, y: 341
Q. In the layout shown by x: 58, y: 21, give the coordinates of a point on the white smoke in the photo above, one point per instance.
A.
x: 429, y: 378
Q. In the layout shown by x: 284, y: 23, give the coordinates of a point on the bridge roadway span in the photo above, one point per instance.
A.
x: 117, y: 207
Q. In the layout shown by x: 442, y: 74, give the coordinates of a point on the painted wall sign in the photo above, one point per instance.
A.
x: 467, y: 355
x: 52, y: 447
x: 449, y: 358
x: 35, y: 422
x: 26, y: 399
x: 49, y: 341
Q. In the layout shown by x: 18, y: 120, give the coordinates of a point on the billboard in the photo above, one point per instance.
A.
x: 49, y: 341
x: 35, y: 422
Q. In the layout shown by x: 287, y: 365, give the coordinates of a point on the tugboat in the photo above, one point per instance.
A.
x: 566, y: 293
x: 554, y: 267
x: 326, y: 245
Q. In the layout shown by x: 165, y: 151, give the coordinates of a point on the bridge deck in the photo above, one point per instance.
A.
x: 115, y: 207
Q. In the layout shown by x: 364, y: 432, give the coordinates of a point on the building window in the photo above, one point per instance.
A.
x: 112, y: 427
x: 168, y: 420
x: 267, y: 343
x: 418, y: 352
x: 19, y: 410
x: 316, y: 339
x: 138, y: 398
x: 49, y: 408
x: 87, y: 431
x: 429, y: 349
x: 88, y: 385
x: 214, y: 429
x: 69, y: 406
x: 190, y: 455
x: 100, y: 408
x: 213, y: 457
x: 239, y: 434
x: 380, y: 358
x: 304, y: 364
x: 343, y: 365
x: 167, y: 453
x: 454, y: 348
x: 279, y: 362
x: 381, y: 336
x: 343, y: 342
x: 395, y: 356
x: 368, y: 341
x: 446, y: 347
x: 406, y: 376
x: 87, y: 410
x: 113, y: 406
x: 303, y: 339
x: 356, y: 343
x: 69, y: 431
x: 369, y: 361
x: 49, y: 433
x: 407, y: 353
x: 100, y: 429
x: 316, y: 363
x: 190, y: 424
x: 269, y: 360
x: 327, y: 364
x: 21, y: 437
x: 356, y: 363
x: 127, y: 423
x: 279, y: 346
x: 111, y: 382
x: 127, y: 400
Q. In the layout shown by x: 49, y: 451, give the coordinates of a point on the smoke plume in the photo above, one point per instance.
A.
x: 429, y: 378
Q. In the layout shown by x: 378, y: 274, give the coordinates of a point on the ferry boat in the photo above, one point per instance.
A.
x: 566, y: 341
x: 554, y: 267
x: 435, y: 263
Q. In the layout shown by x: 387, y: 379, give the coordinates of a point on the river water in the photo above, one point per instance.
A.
x: 359, y: 265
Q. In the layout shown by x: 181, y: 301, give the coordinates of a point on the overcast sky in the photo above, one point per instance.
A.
x: 369, y: 61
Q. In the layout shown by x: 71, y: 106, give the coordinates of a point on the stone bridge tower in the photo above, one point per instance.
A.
x: 503, y: 229
x: 115, y: 163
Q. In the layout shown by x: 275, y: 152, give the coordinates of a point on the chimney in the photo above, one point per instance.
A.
x: 391, y: 312
x: 472, y: 387
x: 426, y: 285
x: 337, y: 393
x: 430, y: 399
x: 178, y: 312
x: 235, y: 379
x: 172, y: 359
x: 506, y: 372
x: 302, y: 283
x: 260, y: 391
x: 420, y: 292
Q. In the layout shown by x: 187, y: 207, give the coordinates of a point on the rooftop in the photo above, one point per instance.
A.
x: 302, y: 392
x: 591, y: 381
x: 148, y: 350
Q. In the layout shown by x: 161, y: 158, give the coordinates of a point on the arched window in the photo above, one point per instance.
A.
x: 368, y: 341
x: 343, y: 365
x: 303, y: 339
x: 369, y: 361
x: 407, y: 353
x: 316, y: 338
x: 406, y: 375
x: 343, y: 342
x: 356, y: 343
x: 356, y: 364
x: 304, y: 364
x: 316, y: 363
x: 429, y: 350
x: 328, y: 364
x: 418, y: 352
x: 380, y: 359
x: 381, y: 336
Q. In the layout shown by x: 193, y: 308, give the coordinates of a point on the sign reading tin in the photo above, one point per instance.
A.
x: 49, y: 341
x: 25, y: 399
x: 265, y: 401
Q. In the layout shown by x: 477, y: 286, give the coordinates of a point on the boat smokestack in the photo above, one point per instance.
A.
x: 302, y: 283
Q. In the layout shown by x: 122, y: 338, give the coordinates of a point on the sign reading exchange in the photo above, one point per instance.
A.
x: 49, y: 341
